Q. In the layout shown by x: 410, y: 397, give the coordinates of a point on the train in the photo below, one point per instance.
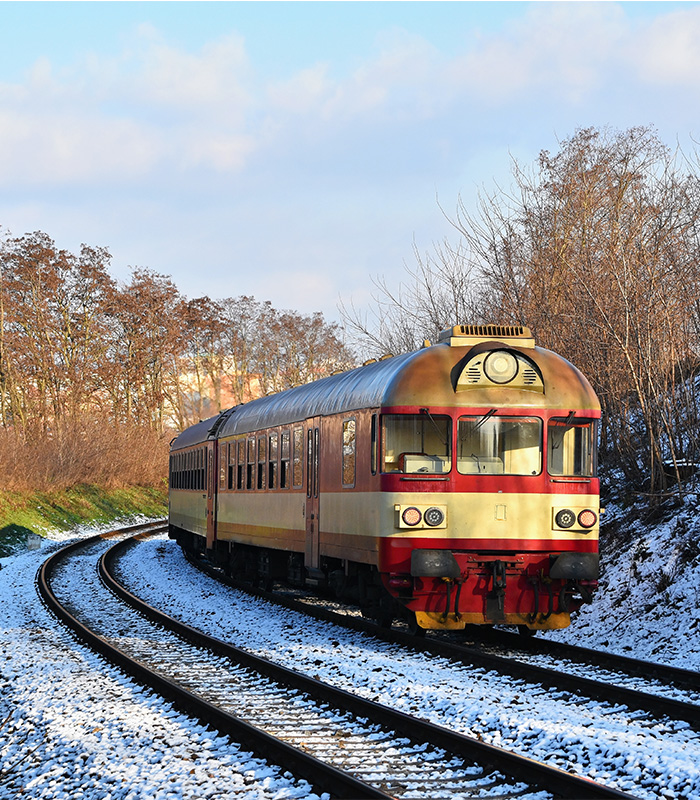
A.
x: 451, y: 486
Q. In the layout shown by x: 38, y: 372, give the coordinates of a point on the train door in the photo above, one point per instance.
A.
x: 313, y: 465
x: 210, y: 481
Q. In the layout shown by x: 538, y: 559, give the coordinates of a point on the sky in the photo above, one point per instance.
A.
x: 299, y: 151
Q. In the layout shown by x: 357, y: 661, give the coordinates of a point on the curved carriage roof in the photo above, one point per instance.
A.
x: 363, y: 387
x: 422, y: 378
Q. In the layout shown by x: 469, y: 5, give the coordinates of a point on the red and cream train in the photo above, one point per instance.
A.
x: 451, y: 486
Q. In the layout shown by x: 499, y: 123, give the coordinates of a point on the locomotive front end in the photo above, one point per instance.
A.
x: 489, y: 475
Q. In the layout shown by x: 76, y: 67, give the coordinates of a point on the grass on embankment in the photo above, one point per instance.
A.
x: 41, y: 512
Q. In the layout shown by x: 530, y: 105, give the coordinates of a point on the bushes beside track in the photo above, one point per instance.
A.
x: 87, y: 451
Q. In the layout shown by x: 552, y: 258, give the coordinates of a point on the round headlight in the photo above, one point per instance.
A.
x: 587, y: 518
x: 565, y: 518
x: 411, y: 516
x: 501, y: 366
x: 434, y: 516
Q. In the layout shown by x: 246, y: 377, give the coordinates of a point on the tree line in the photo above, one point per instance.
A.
x: 597, y: 249
x: 96, y: 376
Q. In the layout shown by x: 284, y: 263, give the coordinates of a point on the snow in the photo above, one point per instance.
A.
x: 648, y: 604
x: 77, y: 727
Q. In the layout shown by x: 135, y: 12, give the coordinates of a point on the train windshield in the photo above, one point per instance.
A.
x: 416, y: 443
x: 571, y: 447
x: 492, y: 445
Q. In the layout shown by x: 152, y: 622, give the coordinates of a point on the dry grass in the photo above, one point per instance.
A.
x: 85, y: 452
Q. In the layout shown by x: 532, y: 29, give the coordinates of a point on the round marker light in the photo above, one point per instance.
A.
x: 565, y: 518
x: 411, y: 516
x: 500, y: 366
x: 434, y: 516
x: 587, y: 518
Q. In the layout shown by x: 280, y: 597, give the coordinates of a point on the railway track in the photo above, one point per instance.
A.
x: 339, y: 742
x: 604, y: 677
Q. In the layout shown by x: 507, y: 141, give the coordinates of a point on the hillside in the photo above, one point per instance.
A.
x: 648, y: 602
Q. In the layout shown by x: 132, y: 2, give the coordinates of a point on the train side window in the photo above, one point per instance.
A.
x: 317, y: 459
x: 261, y: 461
x: 417, y: 443
x: 250, y: 467
x: 272, y: 454
x: 309, y: 461
x: 571, y: 447
x: 298, y: 478
x: 284, y: 460
x: 349, y: 452
x: 373, y: 436
x: 231, y: 471
x: 240, y: 479
x: 223, y: 465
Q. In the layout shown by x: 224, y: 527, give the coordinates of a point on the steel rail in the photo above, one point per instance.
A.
x: 317, y: 773
x: 685, y: 678
x: 519, y: 767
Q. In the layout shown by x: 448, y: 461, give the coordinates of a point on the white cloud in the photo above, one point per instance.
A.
x: 667, y: 50
x: 562, y: 48
x: 47, y: 149
x: 211, y: 80
x: 303, y: 92
x: 159, y: 107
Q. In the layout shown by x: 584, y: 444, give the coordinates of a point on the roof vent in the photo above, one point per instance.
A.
x: 469, y: 335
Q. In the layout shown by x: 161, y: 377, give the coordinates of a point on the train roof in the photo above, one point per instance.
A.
x: 449, y: 373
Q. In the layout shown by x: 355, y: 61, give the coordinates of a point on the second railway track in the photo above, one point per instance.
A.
x: 366, y: 750
x: 642, y: 686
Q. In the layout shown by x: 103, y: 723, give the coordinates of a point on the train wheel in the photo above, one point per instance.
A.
x: 414, y: 628
x: 526, y: 632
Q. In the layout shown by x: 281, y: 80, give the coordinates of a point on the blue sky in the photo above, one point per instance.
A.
x: 294, y: 151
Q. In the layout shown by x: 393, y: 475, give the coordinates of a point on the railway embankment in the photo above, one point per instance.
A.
x: 648, y: 602
x: 27, y: 515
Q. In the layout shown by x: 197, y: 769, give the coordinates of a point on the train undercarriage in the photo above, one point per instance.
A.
x: 495, y: 589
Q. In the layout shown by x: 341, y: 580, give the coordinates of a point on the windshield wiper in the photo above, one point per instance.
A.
x: 483, y: 419
x: 435, y: 425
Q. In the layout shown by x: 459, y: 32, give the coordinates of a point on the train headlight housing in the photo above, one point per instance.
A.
x: 434, y: 516
x: 411, y: 516
x: 420, y: 517
x: 565, y: 518
x: 500, y: 366
x: 587, y: 518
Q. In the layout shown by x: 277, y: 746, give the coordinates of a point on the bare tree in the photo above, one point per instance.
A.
x: 596, y: 248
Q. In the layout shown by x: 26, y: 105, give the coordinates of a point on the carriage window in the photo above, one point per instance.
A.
x: 240, y: 466
x: 250, y: 467
x: 232, y: 448
x: 272, y: 461
x: 373, y: 436
x: 261, y: 462
x: 298, y: 456
x: 416, y: 443
x: 223, y: 466
x: 571, y: 447
x: 349, y: 452
x: 284, y: 461
x: 491, y: 445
